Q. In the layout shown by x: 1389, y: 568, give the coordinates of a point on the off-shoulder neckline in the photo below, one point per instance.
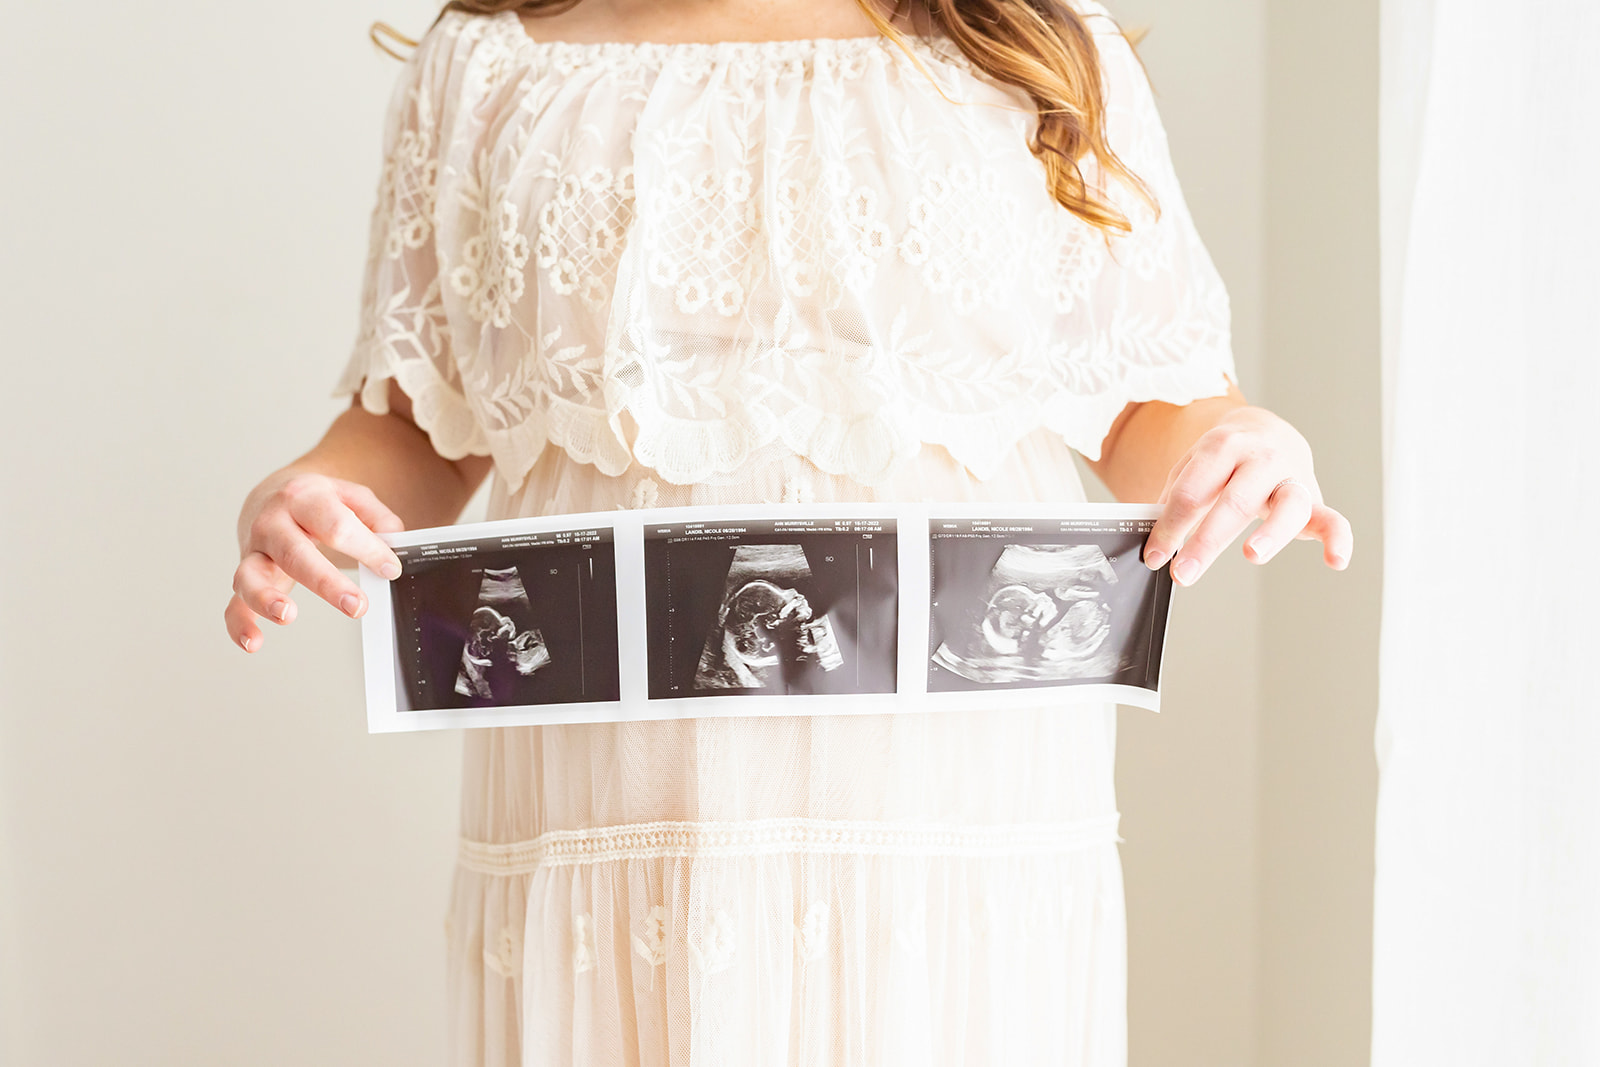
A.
x: 785, y: 46
x: 935, y: 43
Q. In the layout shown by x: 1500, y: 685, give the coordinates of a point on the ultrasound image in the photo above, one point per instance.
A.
x: 1026, y: 611
x: 1046, y: 618
x: 765, y: 630
x: 761, y: 609
x: 496, y: 652
x: 507, y: 623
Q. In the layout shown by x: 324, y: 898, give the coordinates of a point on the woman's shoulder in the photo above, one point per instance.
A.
x: 445, y: 90
x: 464, y: 49
x: 457, y: 32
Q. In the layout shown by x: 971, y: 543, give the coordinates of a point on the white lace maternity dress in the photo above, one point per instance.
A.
x: 650, y: 275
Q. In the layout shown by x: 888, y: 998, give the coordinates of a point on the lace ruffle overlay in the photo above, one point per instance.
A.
x: 694, y: 258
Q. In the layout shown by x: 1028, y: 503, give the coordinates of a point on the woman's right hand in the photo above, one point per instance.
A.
x: 283, y: 521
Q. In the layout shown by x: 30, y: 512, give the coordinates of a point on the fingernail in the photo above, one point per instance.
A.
x: 280, y: 610
x: 1184, y: 571
x: 1256, y: 546
x: 1340, y: 562
x: 350, y: 604
x: 390, y: 570
x: 1155, y: 558
x: 245, y: 643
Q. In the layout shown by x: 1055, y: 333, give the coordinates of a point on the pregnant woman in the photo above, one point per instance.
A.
x: 648, y: 253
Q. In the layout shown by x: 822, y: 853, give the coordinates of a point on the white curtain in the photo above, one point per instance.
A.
x: 1487, y: 910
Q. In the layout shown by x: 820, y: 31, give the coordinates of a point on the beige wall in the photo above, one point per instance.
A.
x: 1248, y: 807
x: 1319, y: 684
x: 209, y: 860
x: 204, y: 859
x: 1186, y: 779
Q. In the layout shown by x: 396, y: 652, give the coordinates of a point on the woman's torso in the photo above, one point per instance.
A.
x: 790, y: 270
x: 859, y: 329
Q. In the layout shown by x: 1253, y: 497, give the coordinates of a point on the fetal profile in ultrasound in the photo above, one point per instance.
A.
x: 484, y: 624
x: 764, y: 610
x: 1020, y: 614
x: 767, y: 633
x: 498, y: 652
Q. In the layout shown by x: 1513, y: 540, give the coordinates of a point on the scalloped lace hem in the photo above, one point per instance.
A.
x: 437, y: 409
x: 1084, y: 421
x: 867, y: 449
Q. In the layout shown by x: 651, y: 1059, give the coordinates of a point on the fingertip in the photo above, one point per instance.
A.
x: 247, y: 637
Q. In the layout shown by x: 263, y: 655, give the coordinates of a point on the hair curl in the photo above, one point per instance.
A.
x: 1042, y: 47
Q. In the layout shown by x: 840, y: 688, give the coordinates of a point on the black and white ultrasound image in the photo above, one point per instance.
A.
x: 770, y: 613
x: 498, y: 650
x: 485, y: 625
x: 1015, y: 610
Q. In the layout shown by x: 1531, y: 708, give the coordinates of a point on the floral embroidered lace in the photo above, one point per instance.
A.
x: 695, y: 257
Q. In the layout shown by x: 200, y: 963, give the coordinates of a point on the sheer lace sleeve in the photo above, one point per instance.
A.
x: 404, y: 333
x: 1161, y: 321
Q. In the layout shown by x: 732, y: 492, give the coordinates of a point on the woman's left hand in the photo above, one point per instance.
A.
x: 1233, y: 475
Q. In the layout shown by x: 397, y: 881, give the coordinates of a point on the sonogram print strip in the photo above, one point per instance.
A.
x: 765, y: 610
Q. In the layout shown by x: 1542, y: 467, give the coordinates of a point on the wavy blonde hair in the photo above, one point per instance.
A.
x: 1042, y: 47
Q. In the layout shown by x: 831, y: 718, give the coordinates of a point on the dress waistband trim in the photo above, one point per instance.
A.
x: 776, y: 837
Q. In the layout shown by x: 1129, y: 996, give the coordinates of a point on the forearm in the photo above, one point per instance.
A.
x: 393, y: 457
x: 1148, y: 439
